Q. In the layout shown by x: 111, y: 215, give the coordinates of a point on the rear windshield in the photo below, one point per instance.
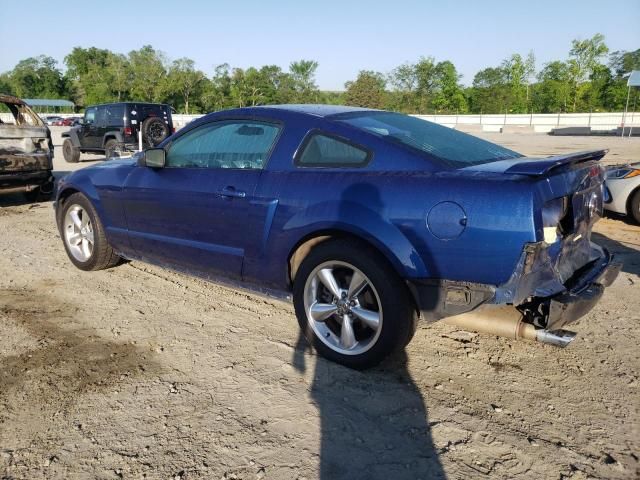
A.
x: 453, y: 148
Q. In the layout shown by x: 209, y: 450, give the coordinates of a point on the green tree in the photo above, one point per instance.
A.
x: 120, y: 75
x: 148, y: 73
x: 490, y: 92
x: 216, y: 94
x: 425, y: 83
x: 621, y: 64
x: 184, y: 80
x: 87, y: 75
x: 448, y: 94
x: 368, y: 90
x: 585, y: 56
x: 405, y: 83
x: 515, y: 72
x: 552, y: 93
x: 303, y: 73
x: 37, y: 77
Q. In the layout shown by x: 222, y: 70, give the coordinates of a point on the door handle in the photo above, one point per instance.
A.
x: 231, y: 192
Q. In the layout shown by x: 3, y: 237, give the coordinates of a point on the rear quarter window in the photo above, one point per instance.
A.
x: 115, y: 116
x: 320, y: 150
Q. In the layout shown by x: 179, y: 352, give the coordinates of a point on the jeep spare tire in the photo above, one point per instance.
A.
x: 154, y: 131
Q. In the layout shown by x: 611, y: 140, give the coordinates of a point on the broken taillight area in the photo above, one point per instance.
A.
x: 557, y: 219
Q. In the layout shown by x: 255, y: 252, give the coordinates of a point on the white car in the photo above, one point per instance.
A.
x: 622, y: 194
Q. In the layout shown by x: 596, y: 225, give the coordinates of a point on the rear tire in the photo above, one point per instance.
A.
x: 83, y: 235
x: 634, y: 206
x: 70, y: 151
x: 356, y: 327
x: 111, y: 147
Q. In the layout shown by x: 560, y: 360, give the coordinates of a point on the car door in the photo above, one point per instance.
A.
x: 88, y: 130
x: 100, y: 126
x: 199, y: 212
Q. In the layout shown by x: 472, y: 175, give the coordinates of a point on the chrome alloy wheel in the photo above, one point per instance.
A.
x: 78, y: 233
x: 343, y: 307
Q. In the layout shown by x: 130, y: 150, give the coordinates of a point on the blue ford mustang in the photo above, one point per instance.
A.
x: 370, y: 218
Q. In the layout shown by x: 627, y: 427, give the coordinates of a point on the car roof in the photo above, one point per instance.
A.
x: 316, y: 110
x: 128, y: 103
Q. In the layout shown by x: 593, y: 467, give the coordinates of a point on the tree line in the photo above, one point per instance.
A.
x: 590, y: 79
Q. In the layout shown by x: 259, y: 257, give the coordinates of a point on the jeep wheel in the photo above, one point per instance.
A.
x: 70, y: 152
x: 112, y: 148
x: 351, y: 305
x: 154, y: 131
x: 83, y: 235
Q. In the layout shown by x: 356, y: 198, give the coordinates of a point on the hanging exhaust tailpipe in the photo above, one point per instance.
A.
x: 506, y: 321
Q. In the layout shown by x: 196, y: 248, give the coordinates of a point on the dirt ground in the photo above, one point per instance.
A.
x: 138, y: 372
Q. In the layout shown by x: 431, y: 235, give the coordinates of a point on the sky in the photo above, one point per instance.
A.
x: 343, y: 36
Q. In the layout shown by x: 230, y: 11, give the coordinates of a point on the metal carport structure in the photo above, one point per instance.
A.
x: 39, y: 103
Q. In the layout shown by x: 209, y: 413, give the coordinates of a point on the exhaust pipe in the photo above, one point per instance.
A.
x: 506, y: 321
x: 559, y: 338
x: 21, y: 189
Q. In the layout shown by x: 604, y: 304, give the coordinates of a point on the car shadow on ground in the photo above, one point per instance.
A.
x: 374, y: 424
x: 620, y: 217
x: 630, y: 257
x: 378, y: 428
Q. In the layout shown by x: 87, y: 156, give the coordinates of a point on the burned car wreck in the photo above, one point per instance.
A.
x: 26, y: 150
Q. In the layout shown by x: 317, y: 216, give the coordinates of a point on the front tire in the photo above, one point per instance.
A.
x: 83, y: 235
x: 351, y: 305
x: 70, y: 152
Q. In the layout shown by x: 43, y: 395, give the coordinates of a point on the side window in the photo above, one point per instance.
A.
x: 90, y: 115
x: 114, y: 115
x: 227, y: 144
x: 101, y: 117
x: 324, y: 151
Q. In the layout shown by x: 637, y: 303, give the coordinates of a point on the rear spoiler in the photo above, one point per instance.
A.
x: 541, y: 166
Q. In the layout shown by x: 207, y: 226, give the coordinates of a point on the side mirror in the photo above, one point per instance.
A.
x: 155, y: 157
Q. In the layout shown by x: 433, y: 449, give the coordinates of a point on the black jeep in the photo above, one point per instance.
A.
x: 113, y: 129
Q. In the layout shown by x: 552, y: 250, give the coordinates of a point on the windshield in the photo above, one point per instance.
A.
x: 453, y: 148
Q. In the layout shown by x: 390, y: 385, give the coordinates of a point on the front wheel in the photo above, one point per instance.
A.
x: 83, y: 235
x: 70, y: 152
x: 351, y: 305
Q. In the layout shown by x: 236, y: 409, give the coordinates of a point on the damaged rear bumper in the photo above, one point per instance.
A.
x: 584, y: 290
x: 535, y: 289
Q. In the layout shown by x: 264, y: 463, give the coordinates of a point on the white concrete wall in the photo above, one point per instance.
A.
x: 540, y: 122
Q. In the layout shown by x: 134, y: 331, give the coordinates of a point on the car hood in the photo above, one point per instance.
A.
x: 113, y: 163
x: 537, y: 166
